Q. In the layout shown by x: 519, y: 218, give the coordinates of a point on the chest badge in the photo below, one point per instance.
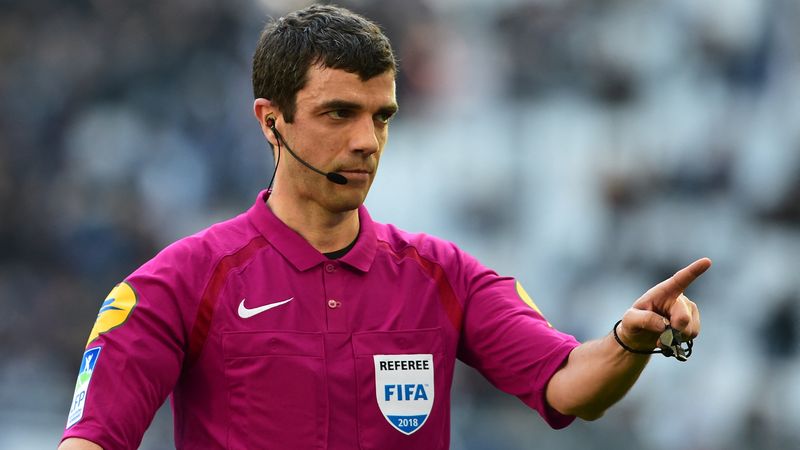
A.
x: 404, y: 389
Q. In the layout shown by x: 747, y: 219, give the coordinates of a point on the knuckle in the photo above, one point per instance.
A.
x: 629, y: 317
x: 682, y: 324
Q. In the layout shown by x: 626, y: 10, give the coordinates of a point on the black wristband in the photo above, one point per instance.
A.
x: 622, y: 344
x: 671, y: 344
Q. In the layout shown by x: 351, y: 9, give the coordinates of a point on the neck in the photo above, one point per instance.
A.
x: 326, y: 231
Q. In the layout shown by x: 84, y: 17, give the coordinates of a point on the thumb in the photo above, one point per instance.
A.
x: 640, y: 328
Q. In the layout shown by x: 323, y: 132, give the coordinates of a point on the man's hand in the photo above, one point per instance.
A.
x: 663, y: 304
x: 599, y: 373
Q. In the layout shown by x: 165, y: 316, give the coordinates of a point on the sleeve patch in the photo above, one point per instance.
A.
x: 88, y: 364
x: 114, y: 311
x: 529, y: 301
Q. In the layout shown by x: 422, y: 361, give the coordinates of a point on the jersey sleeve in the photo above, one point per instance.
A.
x: 132, y: 359
x: 507, y: 339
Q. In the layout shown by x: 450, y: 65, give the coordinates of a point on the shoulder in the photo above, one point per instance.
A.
x: 455, y: 270
x: 193, y: 258
x: 431, y: 248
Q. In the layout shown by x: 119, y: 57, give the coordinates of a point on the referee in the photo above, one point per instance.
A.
x: 304, y: 324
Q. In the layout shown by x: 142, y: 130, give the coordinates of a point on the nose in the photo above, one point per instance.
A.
x: 365, y: 138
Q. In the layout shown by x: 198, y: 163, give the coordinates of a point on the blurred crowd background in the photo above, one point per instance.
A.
x: 589, y: 148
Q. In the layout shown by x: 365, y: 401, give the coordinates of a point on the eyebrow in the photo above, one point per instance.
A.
x: 389, y: 109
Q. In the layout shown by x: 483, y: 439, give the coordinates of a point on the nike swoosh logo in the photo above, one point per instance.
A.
x: 245, y: 312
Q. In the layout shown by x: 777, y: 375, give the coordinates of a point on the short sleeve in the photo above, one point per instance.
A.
x: 131, y: 363
x: 507, y: 339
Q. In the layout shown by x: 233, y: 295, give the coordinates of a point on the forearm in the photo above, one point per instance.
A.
x: 78, y: 444
x: 596, y: 375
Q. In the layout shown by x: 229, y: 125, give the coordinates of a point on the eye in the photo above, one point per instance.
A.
x: 340, y: 114
x: 384, y: 117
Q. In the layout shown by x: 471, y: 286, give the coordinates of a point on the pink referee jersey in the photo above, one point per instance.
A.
x: 264, y: 343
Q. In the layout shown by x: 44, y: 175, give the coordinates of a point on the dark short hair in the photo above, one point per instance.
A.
x: 327, y: 35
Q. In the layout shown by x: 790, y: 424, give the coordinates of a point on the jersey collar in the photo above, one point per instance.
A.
x: 298, y: 251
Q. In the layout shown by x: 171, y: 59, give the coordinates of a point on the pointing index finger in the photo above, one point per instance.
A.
x: 678, y: 283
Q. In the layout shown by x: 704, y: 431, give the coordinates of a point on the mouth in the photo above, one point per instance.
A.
x: 355, y: 174
x: 356, y: 169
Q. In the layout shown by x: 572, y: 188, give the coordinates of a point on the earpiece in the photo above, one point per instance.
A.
x: 269, y: 121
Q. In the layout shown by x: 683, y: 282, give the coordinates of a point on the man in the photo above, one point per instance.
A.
x: 304, y: 324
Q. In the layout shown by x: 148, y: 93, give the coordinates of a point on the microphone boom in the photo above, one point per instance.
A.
x: 333, y: 177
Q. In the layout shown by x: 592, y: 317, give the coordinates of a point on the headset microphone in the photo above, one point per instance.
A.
x: 333, y: 177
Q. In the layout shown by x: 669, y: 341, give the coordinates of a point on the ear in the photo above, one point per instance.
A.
x: 263, y: 108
